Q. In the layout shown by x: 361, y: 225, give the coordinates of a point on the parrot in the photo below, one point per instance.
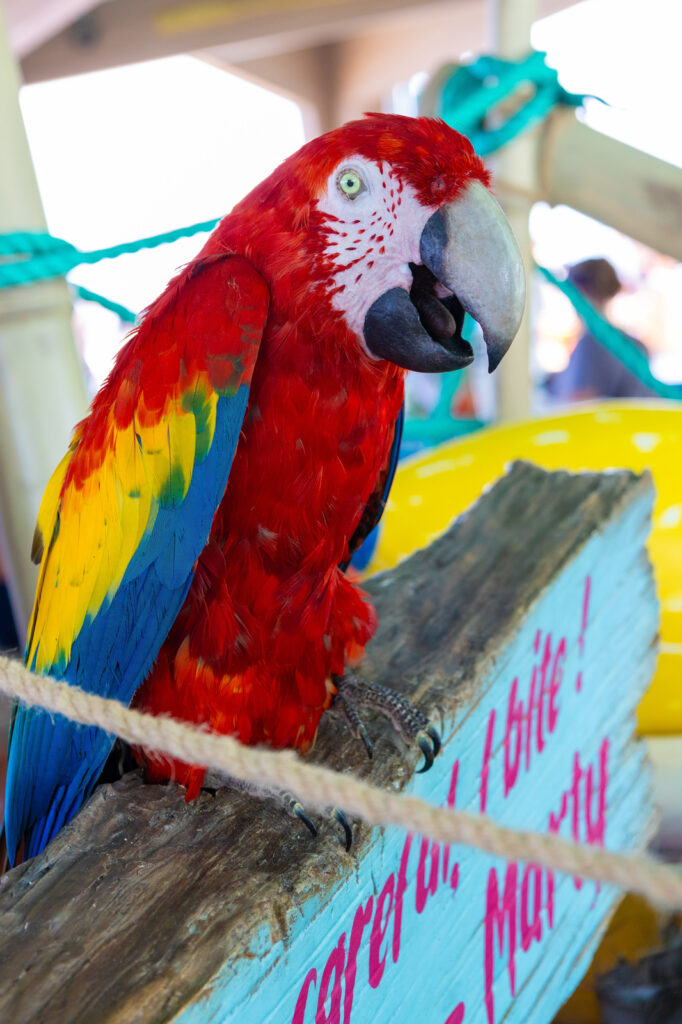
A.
x: 193, y: 541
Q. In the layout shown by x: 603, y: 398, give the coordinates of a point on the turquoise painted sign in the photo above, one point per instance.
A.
x: 445, y: 935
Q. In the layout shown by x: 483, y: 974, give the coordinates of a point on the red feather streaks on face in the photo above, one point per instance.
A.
x: 269, y: 616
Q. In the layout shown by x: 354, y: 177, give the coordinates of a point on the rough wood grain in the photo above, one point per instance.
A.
x: 146, y: 908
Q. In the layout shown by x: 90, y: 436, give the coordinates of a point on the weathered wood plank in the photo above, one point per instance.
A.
x: 529, y: 628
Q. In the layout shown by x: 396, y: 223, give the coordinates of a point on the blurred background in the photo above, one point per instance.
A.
x: 146, y: 115
x: 121, y: 119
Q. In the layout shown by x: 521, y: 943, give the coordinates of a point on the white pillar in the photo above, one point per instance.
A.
x: 515, y: 165
x: 42, y: 392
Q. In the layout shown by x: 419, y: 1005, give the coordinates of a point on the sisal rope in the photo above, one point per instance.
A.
x: 320, y: 788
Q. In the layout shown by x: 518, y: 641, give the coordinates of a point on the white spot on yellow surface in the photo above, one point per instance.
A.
x: 670, y: 518
x: 646, y: 442
x: 551, y: 437
x: 671, y: 648
x: 443, y: 466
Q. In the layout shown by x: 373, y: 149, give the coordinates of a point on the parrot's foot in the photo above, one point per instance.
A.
x: 291, y: 804
x: 295, y: 808
x: 408, y: 721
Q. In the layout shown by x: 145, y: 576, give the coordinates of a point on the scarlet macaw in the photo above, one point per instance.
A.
x: 190, y: 541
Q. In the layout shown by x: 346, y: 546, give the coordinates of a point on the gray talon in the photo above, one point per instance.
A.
x: 302, y: 816
x: 339, y: 816
x: 428, y: 749
x: 435, y: 738
x: 294, y: 807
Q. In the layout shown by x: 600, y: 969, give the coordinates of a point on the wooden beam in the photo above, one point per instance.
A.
x: 337, y: 81
x: 529, y: 631
x: 340, y: 80
x: 615, y: 183
x: 134, y: 30
x: 374, y: 61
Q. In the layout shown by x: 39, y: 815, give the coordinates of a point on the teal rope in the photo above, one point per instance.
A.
x: 474, y: 89
x: 122, y: 312
x: 55, y: 254
x: 45, y: 257
x: 21, y: 243
x: 617, y: 342
x: 418, y: 433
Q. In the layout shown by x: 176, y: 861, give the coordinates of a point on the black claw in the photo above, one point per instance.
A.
x: 427, y: 747
x: 435, y: 738
x: 302, y: 816
x: 339, y: 816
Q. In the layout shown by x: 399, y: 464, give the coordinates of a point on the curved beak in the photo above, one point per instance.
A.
x: 470, y: 263
x: 469, y: 247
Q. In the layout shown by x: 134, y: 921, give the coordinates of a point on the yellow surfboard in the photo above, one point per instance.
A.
x: 431, y: 488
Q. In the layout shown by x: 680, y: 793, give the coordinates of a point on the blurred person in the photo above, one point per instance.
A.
x: 592, y: 371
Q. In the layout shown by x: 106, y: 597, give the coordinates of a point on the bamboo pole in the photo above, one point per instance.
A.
x: 634, y: 192
x: 42, y: 392
x: 516, y: 165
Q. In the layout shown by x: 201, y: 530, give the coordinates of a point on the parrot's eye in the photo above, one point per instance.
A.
x: 350, y: 183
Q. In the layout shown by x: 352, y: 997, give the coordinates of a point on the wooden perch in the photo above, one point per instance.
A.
x: 528, y: 632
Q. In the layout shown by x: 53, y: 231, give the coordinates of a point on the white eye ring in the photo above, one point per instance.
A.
x: 349, y: 183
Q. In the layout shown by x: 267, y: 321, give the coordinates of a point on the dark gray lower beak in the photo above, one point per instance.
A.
x: 398, y: 328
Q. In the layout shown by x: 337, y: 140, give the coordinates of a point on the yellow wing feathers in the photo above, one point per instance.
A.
x: 90, y: 527
x: 47, y: 513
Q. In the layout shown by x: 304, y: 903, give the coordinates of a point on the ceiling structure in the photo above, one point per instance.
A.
x: 337, y: 57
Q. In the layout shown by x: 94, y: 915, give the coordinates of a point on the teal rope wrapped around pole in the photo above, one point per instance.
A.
x: 45, y: 257
x: 473, y: 90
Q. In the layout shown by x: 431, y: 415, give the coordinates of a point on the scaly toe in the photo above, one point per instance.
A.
x: 364, y: 736
x: 411, y: 723
x: 349, y: 713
